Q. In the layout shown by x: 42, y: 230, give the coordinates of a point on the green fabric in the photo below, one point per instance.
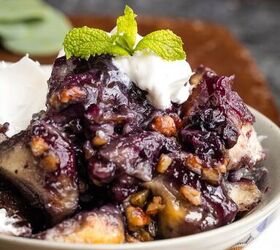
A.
x: 37, y: 28
x: 20, y: 10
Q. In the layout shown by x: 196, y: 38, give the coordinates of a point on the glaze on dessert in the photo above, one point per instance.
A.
x: 101, y: 143
x: 119, y: 156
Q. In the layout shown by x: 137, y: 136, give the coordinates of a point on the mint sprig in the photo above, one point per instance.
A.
x: 84, y: 42
x: 127, y: 27
x: 164, y: 43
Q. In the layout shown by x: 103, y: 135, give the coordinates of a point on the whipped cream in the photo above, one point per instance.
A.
x: 165, y: 81
x: 23, y: 90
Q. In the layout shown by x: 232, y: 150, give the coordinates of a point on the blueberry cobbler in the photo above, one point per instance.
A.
x: 133, y: 145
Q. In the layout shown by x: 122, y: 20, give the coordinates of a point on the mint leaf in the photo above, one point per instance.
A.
x: 164, y: 43
x: 120, y: 42
x: 116, y: 50
x: 127, y: 27
x: 84, y: 42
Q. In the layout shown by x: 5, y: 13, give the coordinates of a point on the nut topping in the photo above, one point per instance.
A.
x: 194, y: 163
x: 164, y: 125
x: 50, y: 162
x: 71, y: 94
x: 38, y: 146
x: 195, y: 79
x: 212, y: 175
x: 155, y: 206
x: 136, y: 218
x: 99, y: 139
x: 191, y: 194
x: 139, y: 199
x: 163, y: 163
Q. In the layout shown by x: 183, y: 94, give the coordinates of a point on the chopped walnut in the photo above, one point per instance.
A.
x: 163, y: 163
x: 72, y: 94
x: 136, y: 218
x: 194, y: 163
x: 222, y: 168
x: 38, y: 146
x: 164, y: 125
x: 191, y: 194
x: 195, y: 79
x: 50, y: 162
x: 139, y: 199
x: 99, y: 141
x: 155, y: 206
x: 211, y: 175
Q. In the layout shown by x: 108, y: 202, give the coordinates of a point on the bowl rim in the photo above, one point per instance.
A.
x: 253, y: 218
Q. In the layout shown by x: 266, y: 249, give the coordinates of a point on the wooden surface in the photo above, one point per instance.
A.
x: 205, y: 43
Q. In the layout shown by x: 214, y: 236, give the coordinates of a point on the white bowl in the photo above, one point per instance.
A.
x: 216, y: 239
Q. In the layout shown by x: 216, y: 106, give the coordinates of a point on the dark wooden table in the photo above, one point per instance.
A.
x: 205, y: 43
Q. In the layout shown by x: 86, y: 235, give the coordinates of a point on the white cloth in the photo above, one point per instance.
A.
x: 269, y: 239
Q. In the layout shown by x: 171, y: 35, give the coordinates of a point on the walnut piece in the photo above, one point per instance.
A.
x: 194, y: 163
x: 155, y: 206
x: 139, y: 199
x: 136, y: 218
x: 164, y: 125
x: 211, y: 175
x: 191, y: 194
x: 163, y: 163
x: 50, y: 163
x: 195, y: 79
x: 98, y: 141
x: 38, y: 146
x: 72, y: 94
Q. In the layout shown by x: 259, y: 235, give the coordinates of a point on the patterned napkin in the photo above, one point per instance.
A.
x: 262, y: 237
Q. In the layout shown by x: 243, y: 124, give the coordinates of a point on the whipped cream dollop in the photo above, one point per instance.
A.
x: 23, y: 90
x: 165, y: 81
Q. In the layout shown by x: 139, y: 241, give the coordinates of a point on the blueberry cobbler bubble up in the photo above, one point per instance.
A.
x: 114, y: 159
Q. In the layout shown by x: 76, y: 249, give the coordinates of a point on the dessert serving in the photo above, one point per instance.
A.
x: 133, y: 145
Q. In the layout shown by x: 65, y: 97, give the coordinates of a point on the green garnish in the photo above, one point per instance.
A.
x: 127, y: 27
x: 84, y: 42
x: 164, y: 43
